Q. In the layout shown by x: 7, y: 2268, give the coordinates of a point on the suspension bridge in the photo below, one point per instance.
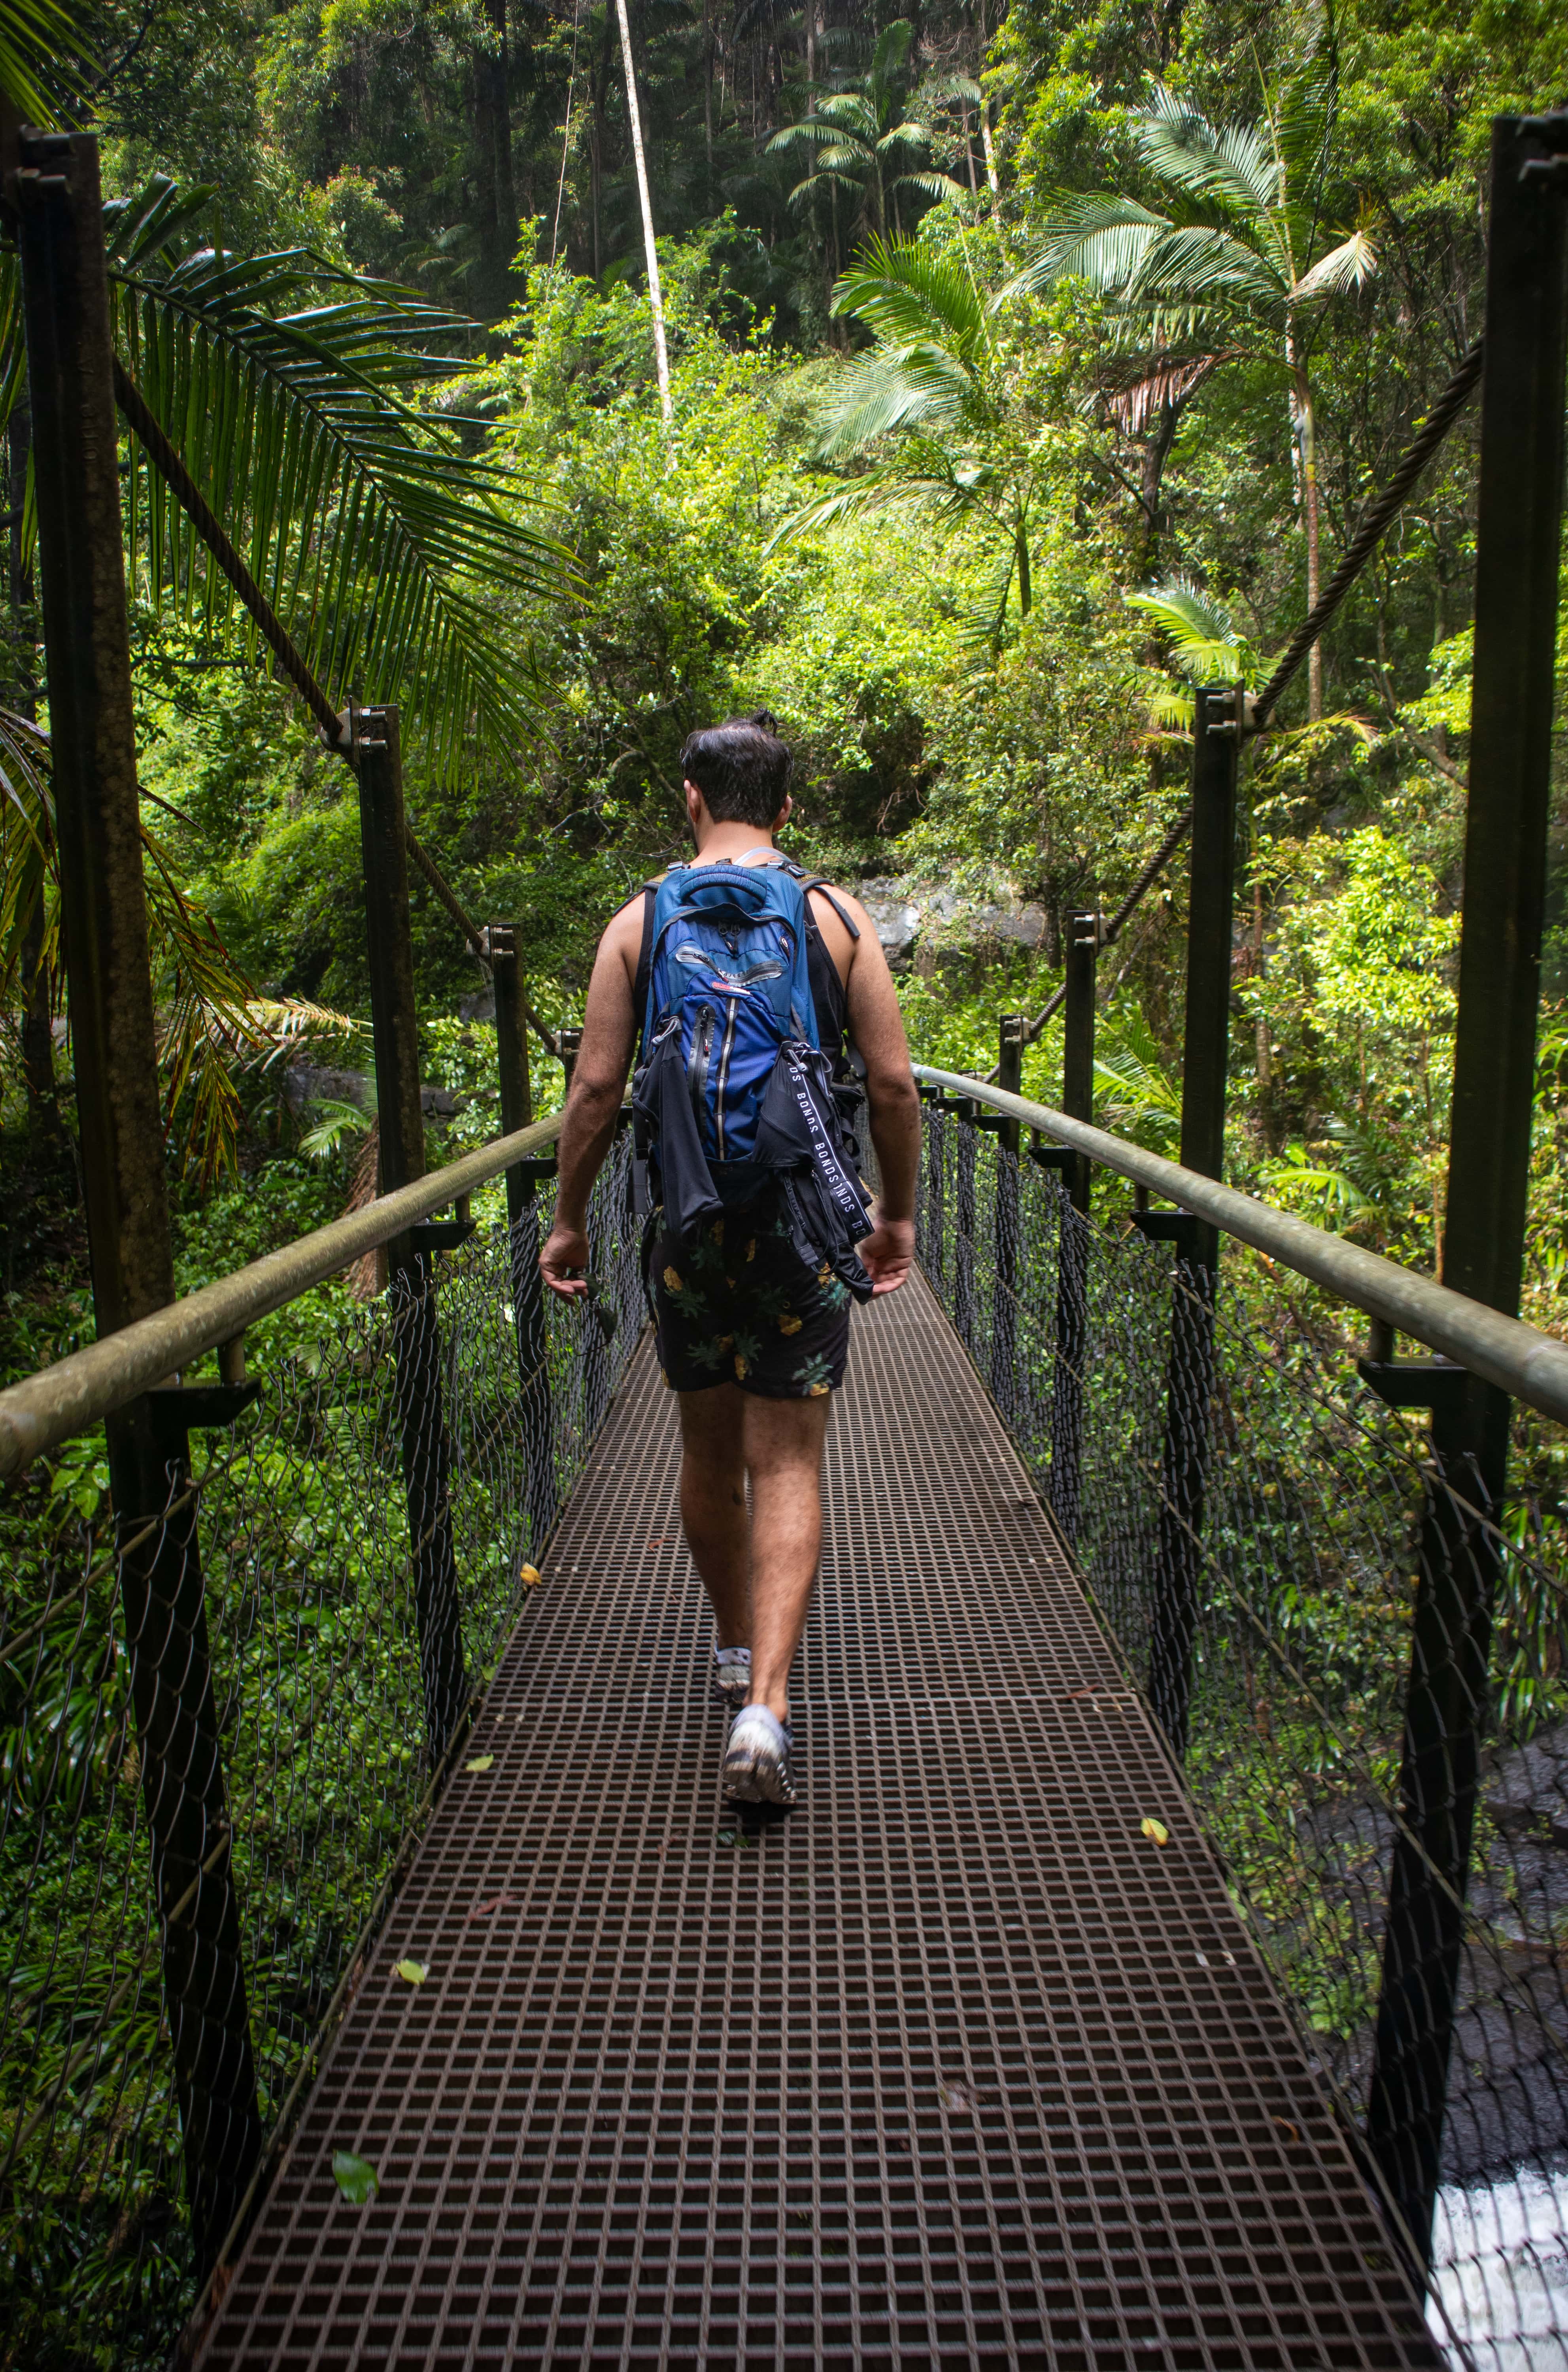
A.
x: 1166, y: 1964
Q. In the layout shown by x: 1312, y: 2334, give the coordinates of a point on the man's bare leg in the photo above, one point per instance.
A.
x: 783, y: 1455
x: 713, y: 1505
x: 725, y: 1434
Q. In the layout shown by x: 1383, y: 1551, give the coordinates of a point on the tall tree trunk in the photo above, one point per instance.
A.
x: 1155, y: 453
x: 969, y: 150
x: 708, y: 90
x: 655, y: 295
x: 38, y: 1017
x: 985, y: 109
x: 496, y: 210
x: 1304, y: 419
x: 1021, y: 555
x: 599, y: 84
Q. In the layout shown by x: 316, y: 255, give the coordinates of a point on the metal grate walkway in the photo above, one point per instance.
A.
x: 953, y: 2067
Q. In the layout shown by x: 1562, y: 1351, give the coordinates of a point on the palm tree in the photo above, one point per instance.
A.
x: 1243, y: 261
x: 934, y: 389
x: 860, y: 141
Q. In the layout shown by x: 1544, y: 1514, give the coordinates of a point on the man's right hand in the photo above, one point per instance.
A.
x: 565, y: 1249
x: 888, y: 1253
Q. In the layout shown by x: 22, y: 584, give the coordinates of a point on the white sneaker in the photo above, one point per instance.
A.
x: 732, y: 1675
x: 756, y: 1761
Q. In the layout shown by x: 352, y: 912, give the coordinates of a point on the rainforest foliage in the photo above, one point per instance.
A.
x: 1026, y: 367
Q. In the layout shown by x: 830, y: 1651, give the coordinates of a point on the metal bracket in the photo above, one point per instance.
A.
x: 1177, y: 1227
x: 1059, y: 1158
x: 440, y: 1235
x: 1550, y: 171
x: 534, y: 1167
x: 928, y: 1093
x: 179, y: 1409
x: 1436, y: 1384
x: 989, y: 1124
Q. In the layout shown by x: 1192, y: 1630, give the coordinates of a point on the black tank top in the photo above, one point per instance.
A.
x: 826, y: 989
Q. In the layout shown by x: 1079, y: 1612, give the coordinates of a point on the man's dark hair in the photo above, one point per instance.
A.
x: 741, y: 768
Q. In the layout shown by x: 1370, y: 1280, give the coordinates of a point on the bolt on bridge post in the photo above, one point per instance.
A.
x: 1072, y: 1264
x: 411, y: 1287
x: 522, y: 1229
x: 1189, y: 1374
x: 1010, y: 1033
x: 121, y: 1138
x: 1519, y: 517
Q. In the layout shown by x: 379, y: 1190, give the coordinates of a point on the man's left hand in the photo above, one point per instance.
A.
x: 888, y: 1253
x: 565, y: 1249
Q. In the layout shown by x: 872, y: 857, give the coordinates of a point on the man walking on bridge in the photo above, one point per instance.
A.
x: 743, y: 979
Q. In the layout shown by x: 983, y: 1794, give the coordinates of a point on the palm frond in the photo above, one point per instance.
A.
x: 380, y: 541
x: 1181, y: 148
x: 210, y: 1019
x: 1328, y: 1196
x: 875, y: 396
x: 892, y: 53
x: 1205, y: 643
x: 41, y: 43
x: 1097, y: 238
x: 1134, y: 1094
x: 26, y: 847
x: 941, y: 186
x: 908, y: 292
x: 1350, y: 265
x: 1195, y: 264
x: 920, y: 471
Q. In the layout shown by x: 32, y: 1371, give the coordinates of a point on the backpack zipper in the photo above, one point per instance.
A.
x: 734, y: 1003
x: 701, y: 1054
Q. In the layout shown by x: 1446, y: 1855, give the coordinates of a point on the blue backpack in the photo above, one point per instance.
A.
x: 733, y: 1088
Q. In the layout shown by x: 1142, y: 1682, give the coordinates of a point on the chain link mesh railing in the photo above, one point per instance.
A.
x: 165, y: 1931
x: 1270, y: 1545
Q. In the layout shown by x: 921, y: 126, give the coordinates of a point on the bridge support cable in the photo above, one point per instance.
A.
x: 335, y: 726
x: 410, y: 1281
x: 1261, y: 705
x: 1519, y: 540
x: 59, y: 216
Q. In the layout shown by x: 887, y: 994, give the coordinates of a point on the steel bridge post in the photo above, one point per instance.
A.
x: 1010, y: 1033
x: 596, y: 1358
x: 965, y: 1144
x: 1190, y: 1376
x: 1072, y: 1261
x: 1518, y: 542
x: 935, y: 1250
x: 121, y: 1142
x: 522, y: 1229
x: 426, y: 1457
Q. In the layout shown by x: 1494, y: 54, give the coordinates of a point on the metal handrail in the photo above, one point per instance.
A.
x: 64, y: 1400
x: 1528, y: 1365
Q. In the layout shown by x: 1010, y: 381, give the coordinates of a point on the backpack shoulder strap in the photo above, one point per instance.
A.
x: 645, y: 957
x: 809, y: 881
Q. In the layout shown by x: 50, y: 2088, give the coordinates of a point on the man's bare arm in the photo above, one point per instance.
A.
x: 877, y: 1028
x: 598, y: 1082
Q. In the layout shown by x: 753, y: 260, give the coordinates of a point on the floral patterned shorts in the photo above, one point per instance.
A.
x: 742, y: 1307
